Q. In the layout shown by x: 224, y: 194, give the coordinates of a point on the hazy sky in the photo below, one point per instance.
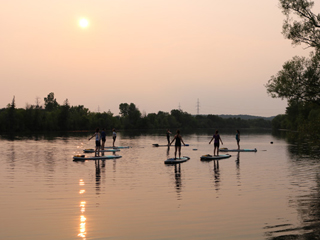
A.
x: 157, y: 54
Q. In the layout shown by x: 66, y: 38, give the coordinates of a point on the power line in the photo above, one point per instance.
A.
x: 198, y: 106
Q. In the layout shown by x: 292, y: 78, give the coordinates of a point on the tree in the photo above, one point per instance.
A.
x: 299, y: 80
x: 307, y: 30
x: 50, y: 102
x: 12, y: 115
x: 124, y: 109
x: 130, y: 114
x: 64, y: 114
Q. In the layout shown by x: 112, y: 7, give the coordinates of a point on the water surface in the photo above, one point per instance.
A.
x: 270, y: 194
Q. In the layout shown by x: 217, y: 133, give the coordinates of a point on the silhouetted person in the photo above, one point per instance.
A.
x: 216, y: 143
x: 178, y: 142
x: 168, y: 136
x: 97, y: 136
x: 238, y: 139
x: 103, y: 138
x: 114, y: 136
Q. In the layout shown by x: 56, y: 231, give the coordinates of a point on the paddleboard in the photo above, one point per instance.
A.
x: 91, y: 150
x: 80, y: 157
x: 177, y: 160
x: 209, y: 157
x: 118, y: 147
x: 237, y: 150
x: 158, y: 145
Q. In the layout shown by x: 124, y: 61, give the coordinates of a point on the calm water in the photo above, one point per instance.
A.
x: 271, y: 194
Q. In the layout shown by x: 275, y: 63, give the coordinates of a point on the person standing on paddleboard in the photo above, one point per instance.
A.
x: 168, y: 136
x: 216, y: 143
x: 98, y: 137
x: 238, y: 139
x: 103, y: 138
x: 114, y: 136
x: 177, y: 145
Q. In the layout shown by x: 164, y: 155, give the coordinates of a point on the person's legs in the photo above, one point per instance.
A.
x: 179, y: 151
x: 114, y: 140
x: 175, y: 152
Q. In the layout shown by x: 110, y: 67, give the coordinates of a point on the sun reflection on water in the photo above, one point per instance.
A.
x: 82, y: 229
x: 81, y: 182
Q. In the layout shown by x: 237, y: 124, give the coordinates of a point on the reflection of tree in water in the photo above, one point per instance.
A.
x: 301, y: 144
x: 309, y: 210
x: 303, y: 157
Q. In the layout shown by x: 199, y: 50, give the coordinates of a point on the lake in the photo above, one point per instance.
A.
x: 273, y: 193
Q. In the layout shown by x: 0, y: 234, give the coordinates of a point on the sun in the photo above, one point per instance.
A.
x: 83, y: 23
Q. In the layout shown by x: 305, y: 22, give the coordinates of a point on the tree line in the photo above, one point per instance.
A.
x: 299, y: 80
x: 55, y: 117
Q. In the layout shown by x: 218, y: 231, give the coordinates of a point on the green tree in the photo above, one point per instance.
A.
x: 50, y: 102
x: 64, y: 115
x: 299, y: 80
x: 305, y: 28
x: 12, y: 115
x: 130, y: 115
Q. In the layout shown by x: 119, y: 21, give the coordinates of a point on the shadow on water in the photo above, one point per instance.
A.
x: 304, y: 156
x: 177, y: 176
x: 216, y: 172
x: 177, y: 179
x: 124, y: 133
x: 36, y: 136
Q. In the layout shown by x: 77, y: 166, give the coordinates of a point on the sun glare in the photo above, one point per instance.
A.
x: 83, y: 23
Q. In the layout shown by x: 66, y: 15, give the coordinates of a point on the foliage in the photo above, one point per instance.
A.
x: 307, y: 29
x: 50, y: 102
x: 56, y: 117
x: 299, y: 79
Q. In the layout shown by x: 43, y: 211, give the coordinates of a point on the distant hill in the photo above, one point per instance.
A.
x: 245, y: 117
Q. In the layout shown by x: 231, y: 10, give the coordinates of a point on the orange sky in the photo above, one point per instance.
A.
x: 156, y: 54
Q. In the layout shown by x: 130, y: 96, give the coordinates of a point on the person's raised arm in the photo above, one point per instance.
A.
x: 92, y: 136
x: 173, y: 139
x: 211, y: 139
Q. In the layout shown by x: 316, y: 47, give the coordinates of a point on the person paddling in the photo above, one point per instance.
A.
x: 178, y: 142
x: 114, y: 136
x: 216, y: 144
x: 238, y: 139
x: 97, y: 135
x: 103, y: 138
x: 168, y: 136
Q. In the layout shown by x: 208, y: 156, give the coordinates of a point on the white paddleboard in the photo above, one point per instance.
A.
x: 176, y: 160
x: 91, y: 150
x: 158, y: 145
x: 209, y: 157
x: 237, y: 150
x: 118, y: 147
x: 80, y: 157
